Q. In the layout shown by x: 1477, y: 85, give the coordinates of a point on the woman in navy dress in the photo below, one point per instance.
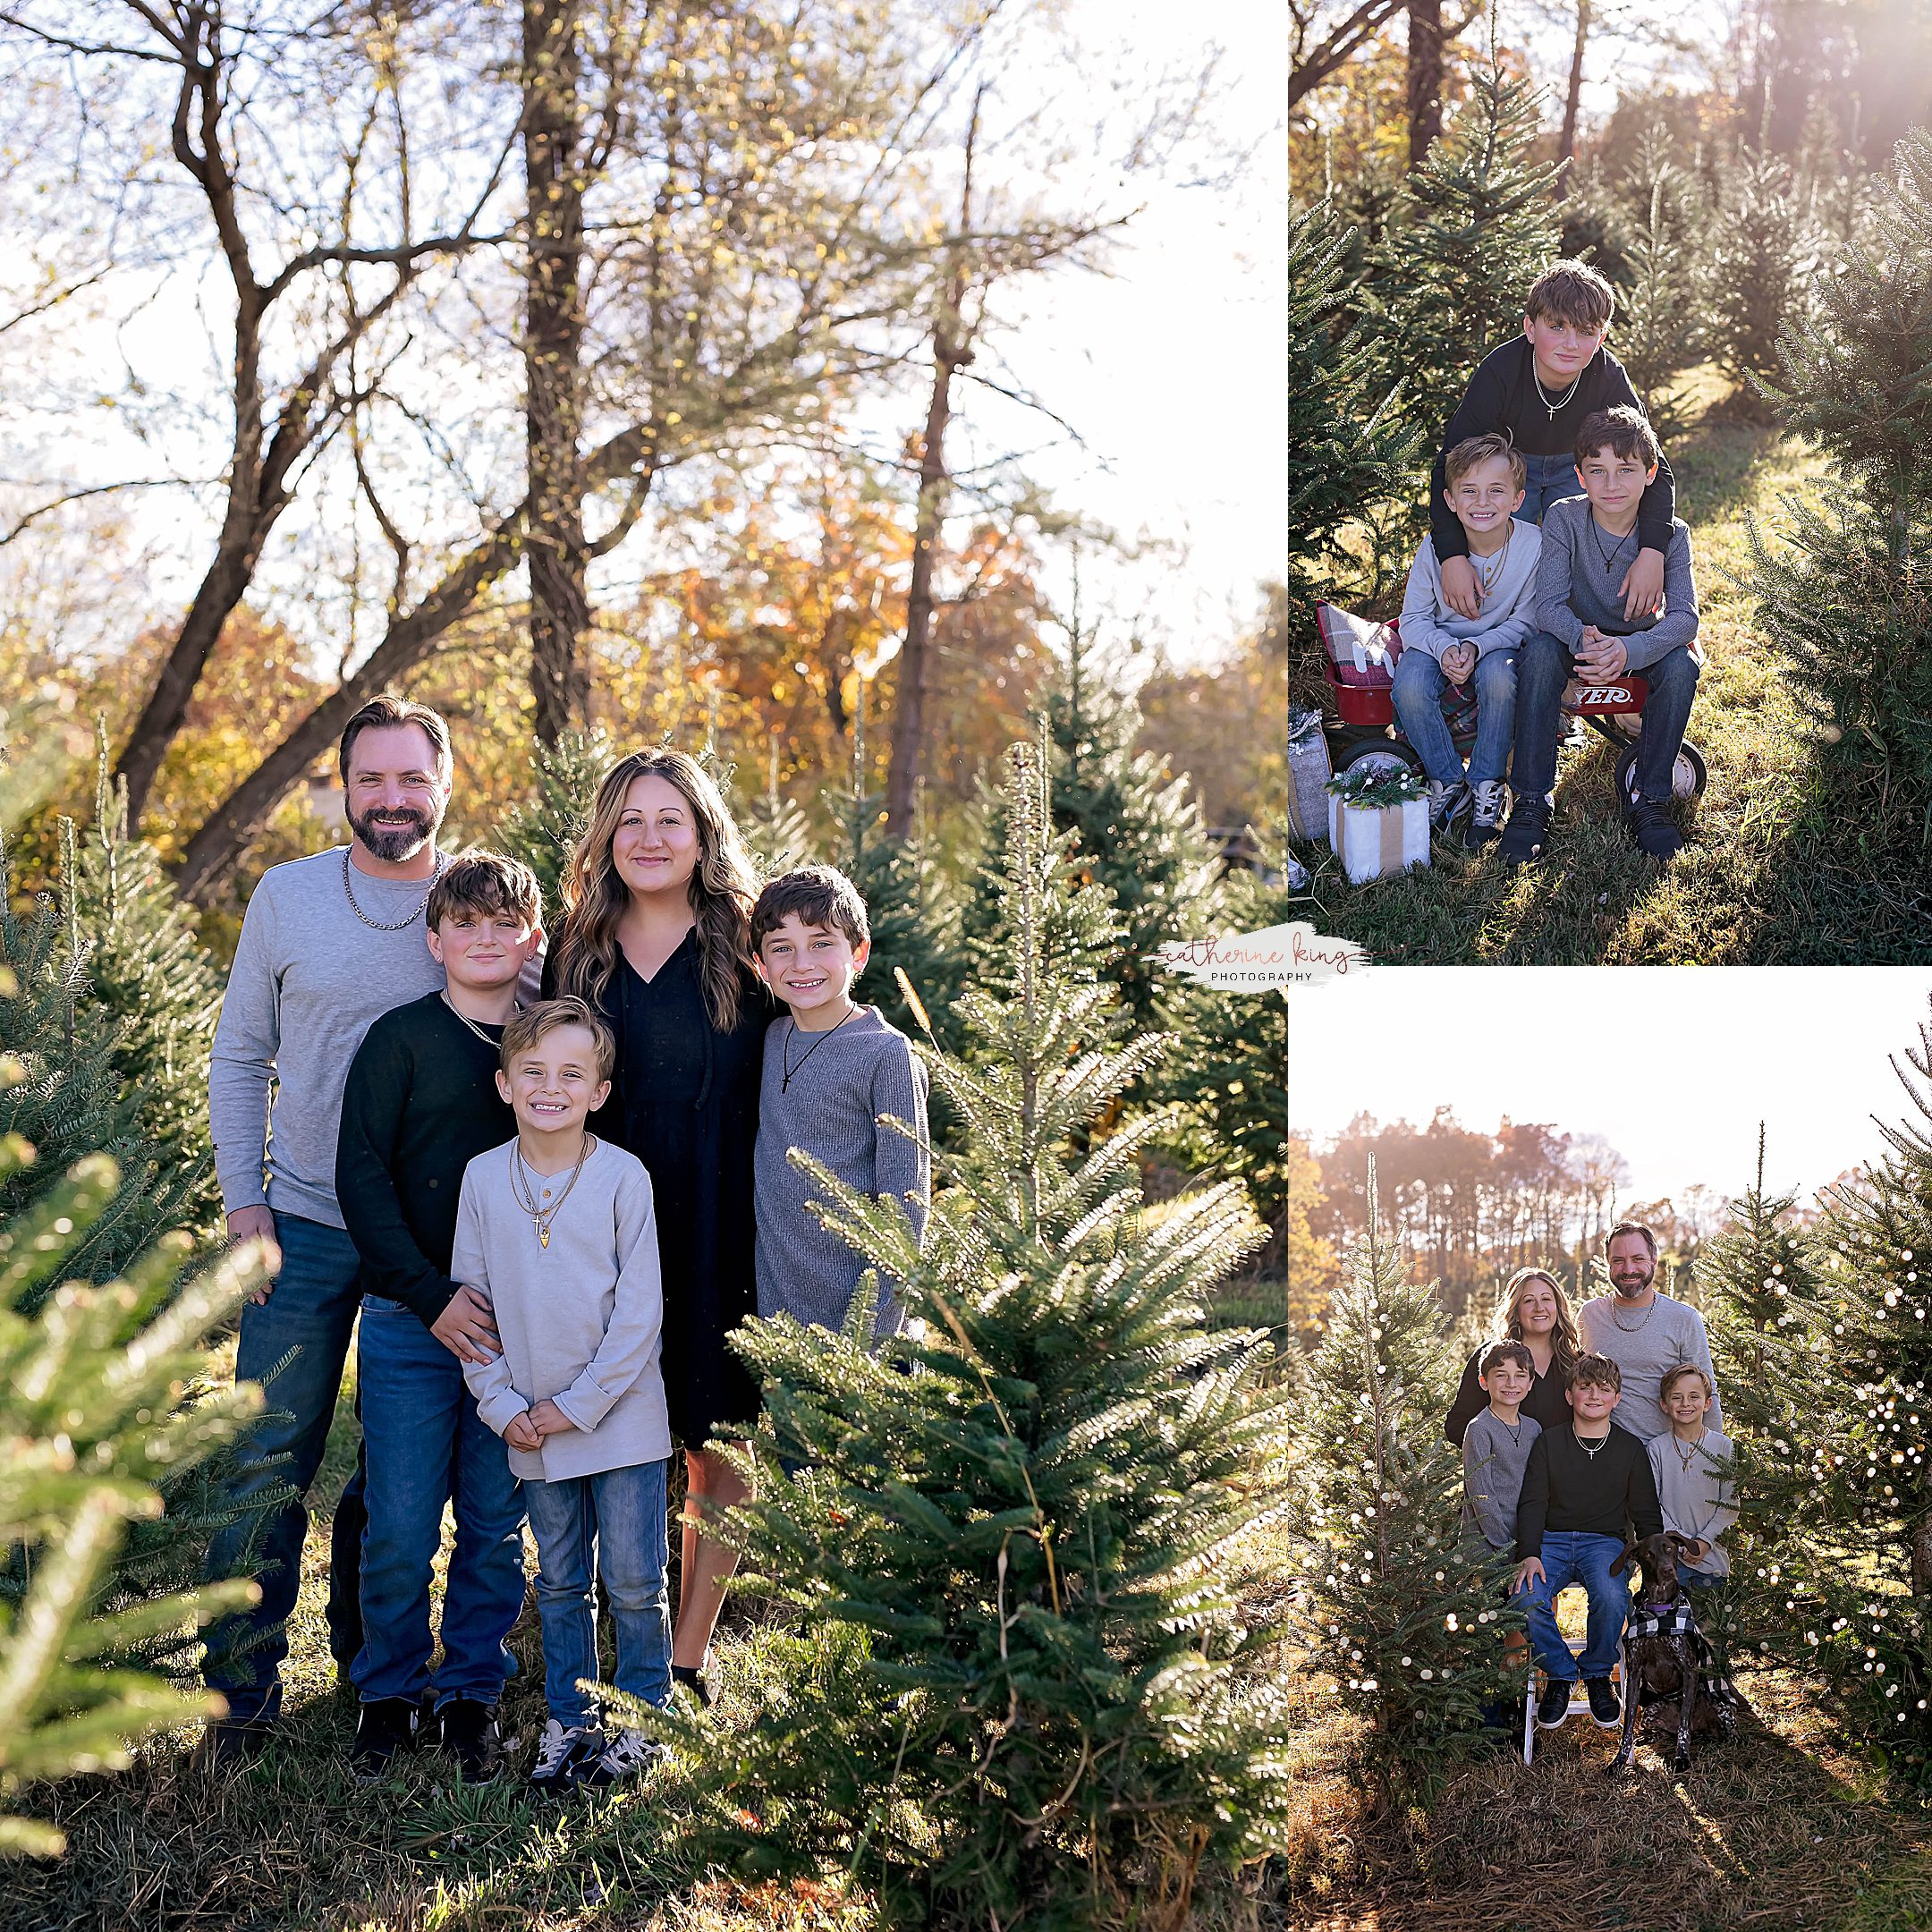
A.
x: 656, y: 936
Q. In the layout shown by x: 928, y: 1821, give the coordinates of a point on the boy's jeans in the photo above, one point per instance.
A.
x: 311, y: 1310
x: 1550, y: 480
x: 425, y: 1447
x: 1546, y: 667
x: 1418, y: 695
x: 611, y: 1524
x: 1576, y: 1556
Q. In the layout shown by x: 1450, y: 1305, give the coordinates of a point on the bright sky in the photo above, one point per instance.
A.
x: 1690, y: 1061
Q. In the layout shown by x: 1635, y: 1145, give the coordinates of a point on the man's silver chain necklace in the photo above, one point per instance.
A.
x: 1648, y: 1313
x: 381, y: 925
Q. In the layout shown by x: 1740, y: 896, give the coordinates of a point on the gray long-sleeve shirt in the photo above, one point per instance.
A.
x: 309, y: 979
x: 1579, y: 569
x: 580, y: 1320
x: 1694, y: 1486
x: 1495, y: 1456
x: 1503, y: 616
x: 831, y: 1109
x: 1645, y: 1345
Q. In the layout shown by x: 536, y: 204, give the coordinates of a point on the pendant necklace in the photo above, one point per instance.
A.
x: 786, y: 1070
x: 524, y: 1185
x: 1596, y: 538
x: 1487, y: 579
x: 1543, y: 399
x: 1591, y: 1449
x: 1687, y: 1459
x: 383, y: 925
x: 494, y: 1046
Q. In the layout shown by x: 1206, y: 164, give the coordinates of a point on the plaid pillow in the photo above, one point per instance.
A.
x: 1362, y: 651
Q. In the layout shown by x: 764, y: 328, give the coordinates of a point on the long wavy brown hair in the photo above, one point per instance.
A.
x: 724, y: 885
x: 1566, y: 1344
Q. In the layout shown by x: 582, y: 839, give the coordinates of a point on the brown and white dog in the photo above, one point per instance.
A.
x: 1663, y: 1657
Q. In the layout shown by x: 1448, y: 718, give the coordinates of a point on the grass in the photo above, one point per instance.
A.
x: 1792, y: 857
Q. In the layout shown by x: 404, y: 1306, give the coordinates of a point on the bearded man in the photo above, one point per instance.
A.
x: 329, y: 943
x: 1645, y: 1334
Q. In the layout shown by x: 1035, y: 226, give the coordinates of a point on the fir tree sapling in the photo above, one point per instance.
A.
x: 90, y: 1416
x: 1026, y: 1691
x: 1659, y: 331
x: 776, y: 831
x: 1405, y: 1617
x: 1761, y: 268
x: 543, y: 829
x: 1847, y: 598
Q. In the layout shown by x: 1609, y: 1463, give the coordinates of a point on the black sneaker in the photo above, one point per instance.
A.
x: 1652, y: 828
x: 383, y: 1727
x: 466, y: 1730
x: 1604, y: 1706
x: 1555, y: 1704
x: 227, y: 1746
x: 1529, y: 826
x: 559, y: 1751
x: 692, y: 1679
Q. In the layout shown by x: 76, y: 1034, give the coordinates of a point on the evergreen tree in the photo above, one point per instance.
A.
x: 1761, y: 268
x: 1396, y: 1607
x: 90, y: 1415
x: 1846, y: 598
x: 543, y: 829
x: 1659, y: 330
x: 1350, y: 467
x: 1025, y: 1694
x: 1478, y: 222
x: 775, y: 829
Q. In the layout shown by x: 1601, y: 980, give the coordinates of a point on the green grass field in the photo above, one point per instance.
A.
x: 1793, y: 856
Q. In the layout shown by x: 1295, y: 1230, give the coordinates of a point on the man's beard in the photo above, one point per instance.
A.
x: 1633, y: 1288
x: 392, y: 843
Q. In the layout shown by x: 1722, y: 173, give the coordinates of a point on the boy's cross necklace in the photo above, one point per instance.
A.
x: 1544, y: 401
x: 786, y: 1070
x: 1592, y: 1445
x: 543, y: 1213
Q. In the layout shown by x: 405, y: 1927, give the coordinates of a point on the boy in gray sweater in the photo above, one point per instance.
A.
x: 836, y: 1073
x: 1495, y: 1447
x: 1693, y: 1464
x: 557, y: 1232
x: 1587, y: 627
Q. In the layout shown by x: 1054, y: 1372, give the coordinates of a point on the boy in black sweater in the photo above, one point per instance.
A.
x: 1585, y: 1479
x: 421, y: 1102
x: 1538, y: 388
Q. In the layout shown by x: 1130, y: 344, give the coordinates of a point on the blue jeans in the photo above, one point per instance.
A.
x: 310, y: 1315
x: 1418, y: 695
x: 1545, y: 669
x: 1549, y: 481
x: 1576, y: 1556
x: 610, y: 1525
x: 425, y: 1447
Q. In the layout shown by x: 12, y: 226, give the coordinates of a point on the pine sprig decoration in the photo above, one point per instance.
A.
x: 1026, y: 1686
x: 1376, y: 787
x: 89, y: 1413
x: 1404, y: 1615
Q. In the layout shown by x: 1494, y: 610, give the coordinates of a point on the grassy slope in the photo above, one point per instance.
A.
x: 1784, y: 864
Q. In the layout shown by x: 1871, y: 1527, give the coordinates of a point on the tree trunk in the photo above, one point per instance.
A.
x: 952, y: 344
x: 1573, y: 97
x: 553, y: 347
x: 1425, y: 77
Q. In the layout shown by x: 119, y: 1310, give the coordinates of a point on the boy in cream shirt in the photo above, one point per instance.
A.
x: 557, y: 1231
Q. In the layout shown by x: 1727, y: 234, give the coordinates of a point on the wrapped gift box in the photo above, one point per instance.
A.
x: 1309, y: 770
x: 1372, y: 842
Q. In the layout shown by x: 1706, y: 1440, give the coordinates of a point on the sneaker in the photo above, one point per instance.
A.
x: 383, y: 1726
x: 627, y: 1754
x: 1653, y: 829
x: 1486, y: 816
x: 1527, y: 826
x: 1446, y: 804
x: 466, y: 1729
x: 227, y: 1746
x: 1555, y: 1704
x: 559, y: 1752
x: 1604, y: 1706
x: 691, y: 1677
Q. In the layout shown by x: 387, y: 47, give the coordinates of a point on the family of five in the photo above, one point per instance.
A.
x: 551, y: 1177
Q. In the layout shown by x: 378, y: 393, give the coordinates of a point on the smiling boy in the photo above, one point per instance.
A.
x: 1582, y: 631
x: 835, y: 1072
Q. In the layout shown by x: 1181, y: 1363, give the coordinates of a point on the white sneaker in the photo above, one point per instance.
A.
x: 1445, y: 803
x: 627, y: 1754
x: 562, y: 1750
x: 1486, y: 820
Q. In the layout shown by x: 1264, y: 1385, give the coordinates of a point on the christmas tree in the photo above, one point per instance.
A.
x: 1660, y: 327
x: 775, y: 829
x: 1025, y: 1690
x: 1844, y: 599
x: 1761, y: 268
x: 543, y: 830
x: 91, y: 1414
x: 1476, y: 224
x: 1404, y: 1615
x: 1350, y: 465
